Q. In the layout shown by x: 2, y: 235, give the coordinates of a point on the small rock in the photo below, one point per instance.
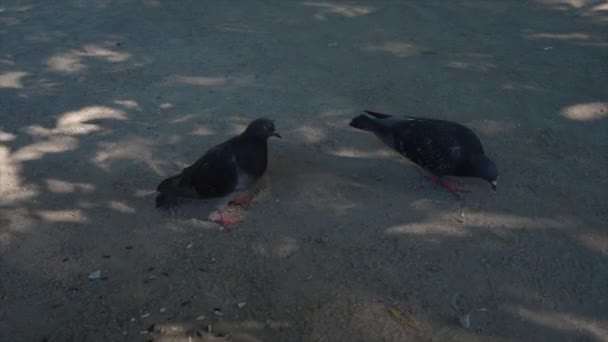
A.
x: 145, y: 315
x: 200, y: 318
x: 241, y: 305
x: 322, y: 239
x: 465, y: 321
x: 95, y: 275
x: 163, y: 310
x: 218, y: 312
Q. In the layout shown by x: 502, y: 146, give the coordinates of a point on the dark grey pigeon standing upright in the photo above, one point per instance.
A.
x: 231, y: 166
x: 441, y: 147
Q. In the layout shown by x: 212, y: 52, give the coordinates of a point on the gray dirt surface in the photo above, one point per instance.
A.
x: 345, y: 241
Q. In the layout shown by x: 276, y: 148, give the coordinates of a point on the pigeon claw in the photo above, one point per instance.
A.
x: 243, y: 201
x: 450, y: 187
x: 225, y: 221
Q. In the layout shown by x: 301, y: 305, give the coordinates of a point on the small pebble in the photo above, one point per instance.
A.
x: 217, y: 312
x: 132, y: 319
x: 163, y: 309
x: 241, y: 305
x: 95, y: 275
x: 200, y: 318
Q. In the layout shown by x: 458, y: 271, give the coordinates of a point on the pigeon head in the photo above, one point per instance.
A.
x: 484, y: 168
x: 261, y: 129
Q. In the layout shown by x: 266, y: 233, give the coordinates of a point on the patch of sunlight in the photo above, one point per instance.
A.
x: 487, y: 220
x: 345, y: 10
x: 442, y: 223
x: 184, y: 118
x: 477, y: 65
x: 131, y: 149
x: 596, y: 242
x: 121, y: 207
x: 63, y: 187
x: 63, y: 216
x: 429, y: 228
x: 286, y: 247
x: 5, y: 136
x: 586, y: 111
x: 201, y: 130
x: 76, y: 122
x: 55, y: 144
x: 350, y: 152
x: 602, y: 7
x: 557, y: 36
x: 398, y: 49
x: 129, y: 104
x: 211, y: 81
x: 312, y: 134
x: 12, y: 79
x: 72, y: 61
x: 11, y: 185
x: 562, y: 321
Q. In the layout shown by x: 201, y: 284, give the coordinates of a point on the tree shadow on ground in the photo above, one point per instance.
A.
x: 96, y: 111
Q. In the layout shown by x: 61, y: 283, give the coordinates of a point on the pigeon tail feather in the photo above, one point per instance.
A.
x: 378, y: 115
x: 364, y: 122
x: 169, y: 184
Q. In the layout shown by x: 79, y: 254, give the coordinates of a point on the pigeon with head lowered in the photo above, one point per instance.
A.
x: 441, y: 147
x: 231, y: 166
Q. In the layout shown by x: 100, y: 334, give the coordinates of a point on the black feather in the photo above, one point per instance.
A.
x: 443, y: 148
x: 235, y: 163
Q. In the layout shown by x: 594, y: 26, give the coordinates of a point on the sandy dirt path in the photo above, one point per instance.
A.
x: 99, y: 100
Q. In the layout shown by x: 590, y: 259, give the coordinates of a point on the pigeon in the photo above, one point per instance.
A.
x: 443, y: 148
x: 229, y: 167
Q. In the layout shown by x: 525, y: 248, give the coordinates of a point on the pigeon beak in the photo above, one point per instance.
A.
x: 494, y: 185
x: 277, y: 135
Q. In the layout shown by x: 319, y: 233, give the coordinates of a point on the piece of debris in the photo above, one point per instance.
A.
x: 401, y: 318
x: 217, y: 312
x: 322, y: 239
x: 200, y: 318
x: 241, y: 305
x: 95, y: 275
x: 465, y: 321
x: 162, y: 310
x: 145, y: 315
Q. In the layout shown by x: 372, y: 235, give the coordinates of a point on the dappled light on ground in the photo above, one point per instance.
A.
x: 586, y: 111
x: 98, y: 105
